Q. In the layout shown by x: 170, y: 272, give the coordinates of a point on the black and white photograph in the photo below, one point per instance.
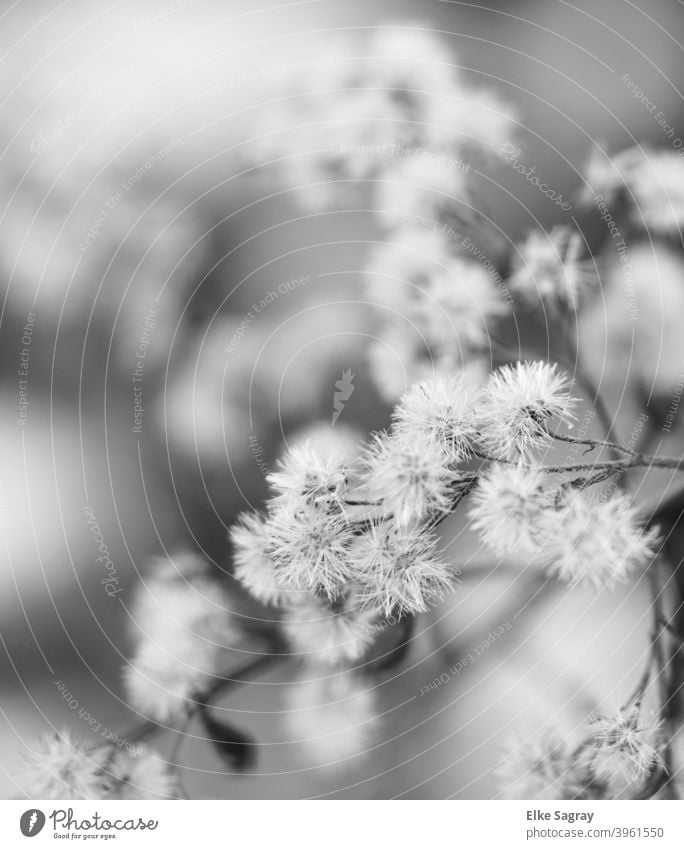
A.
x: 342, y: 433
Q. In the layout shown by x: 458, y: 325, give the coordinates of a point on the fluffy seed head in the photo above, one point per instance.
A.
x: 507, y: 507
x: 409, y: 476
x: 519, y: 403
x: 400, y: 571
x: 596, y: 541
x: 444, y: 409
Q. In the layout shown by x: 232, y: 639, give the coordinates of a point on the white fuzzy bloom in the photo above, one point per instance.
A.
x: 657, y: 186
x: 539, y: 764
x: 400, y: 570
x: 309, y: 477
x: 60, y: 766
x: 460, y: 303
x: 548, y: 268
x: 422, y: 185
x: 443, y: 408
x: 622, y: 747
x: 184, y: 626
x: 410, y: 477
x: 254, y: 567
x: 448, y: 300
x: 587, y: 539
x: 162, y: 681
x: 652, y: 181
x: 519, y: 403
x: 331, y: 718
x: 474, y: 121
x: 328, y: 634
x: 602, y: 174
x: 507, y: 507
x: 397, y: 273
x: 309, y: 549
x: 143, y: 775
x: 358, y: 117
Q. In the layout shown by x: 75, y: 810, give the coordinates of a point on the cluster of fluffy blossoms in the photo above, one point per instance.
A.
x: 611, y: 755
x: 400, y: 131
x: 399, y: 117
x: 347, y: 540
x: 60, y: 766
x: 183, y: 632
x: 650, y: 183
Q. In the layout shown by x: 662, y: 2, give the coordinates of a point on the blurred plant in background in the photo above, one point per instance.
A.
x: 345, y: 553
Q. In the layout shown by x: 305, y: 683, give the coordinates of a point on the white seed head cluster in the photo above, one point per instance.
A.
x: 547, y: 270
x: 518, y: 406
x: 596, y: 541
x: 61, y: 766
x: 610, y: 754
x: 183, y: 626
x: 650, y: 181
x: 331, y: 717
x: 622, y: 746
x: 539, y: 764
x: 508, y: 507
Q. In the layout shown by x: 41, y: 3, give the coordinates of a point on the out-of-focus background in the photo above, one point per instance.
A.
x: 136, y: 237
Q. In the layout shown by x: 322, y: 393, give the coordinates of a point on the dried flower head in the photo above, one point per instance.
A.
x: 254, y: 567
x: 519, y: 403
x: 330, y: 634
x: 410, y: 476
x: 594, y: 540
x: 507, y: 508
x: 460, y: 303
x: 400, y: 570
x: 656, y: 183
x: 443, y: 408
x: 307, y: 477
x: 183, y: 626
x: 162, y: 681
x: 539, y: 764
x: 331, y: 718
x: 60, y: 766
x: 622, y: 746
x: 143, y: 774
x: 309, y: 549
x: 548, y: 268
